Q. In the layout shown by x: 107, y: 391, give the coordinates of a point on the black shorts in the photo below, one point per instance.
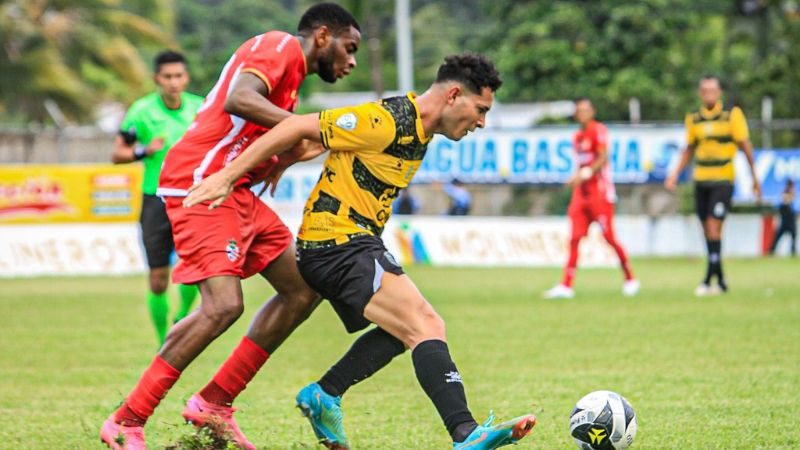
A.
x: 156, y: 232
x: 348, y: 275
x: 712, y: 200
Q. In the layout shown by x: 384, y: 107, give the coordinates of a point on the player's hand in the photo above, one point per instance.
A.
x: 215, y: 189
x: 304, y: 150
x: 671, y: 183
x: 155, y: 145
x: 272, y: 178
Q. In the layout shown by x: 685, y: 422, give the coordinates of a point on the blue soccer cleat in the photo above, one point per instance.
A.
x: 324, y: 412
x: 488, y: 436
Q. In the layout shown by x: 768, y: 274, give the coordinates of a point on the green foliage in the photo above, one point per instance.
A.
x: 76, y: 53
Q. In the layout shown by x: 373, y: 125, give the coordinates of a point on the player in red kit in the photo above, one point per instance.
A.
x: 256, y: 90
x: 593, y: 198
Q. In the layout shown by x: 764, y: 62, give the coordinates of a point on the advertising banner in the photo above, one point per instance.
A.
x: 773, y: 168
x: 638, y: 154
x: 70, y: 193
x: 70, y: 249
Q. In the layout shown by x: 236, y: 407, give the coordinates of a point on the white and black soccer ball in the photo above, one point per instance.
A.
x: 603, y: 420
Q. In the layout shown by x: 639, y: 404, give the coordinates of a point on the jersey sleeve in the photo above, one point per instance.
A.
x: 131, y: 127
x: 364, y: 128
x: 688, y: 123
x: 268, y: 61
x: 739, y: 131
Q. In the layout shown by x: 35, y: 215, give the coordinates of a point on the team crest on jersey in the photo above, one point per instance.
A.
x: 347, y: 122
x: 232, y: 250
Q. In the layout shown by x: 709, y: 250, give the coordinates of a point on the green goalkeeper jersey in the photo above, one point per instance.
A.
x: 149, y: 118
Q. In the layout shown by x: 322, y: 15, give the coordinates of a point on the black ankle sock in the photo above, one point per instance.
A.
x: 714, y: 261
x: 369, y: 353
x: 439, y: 378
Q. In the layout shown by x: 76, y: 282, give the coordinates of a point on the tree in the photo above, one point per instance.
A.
x: 75, y: 52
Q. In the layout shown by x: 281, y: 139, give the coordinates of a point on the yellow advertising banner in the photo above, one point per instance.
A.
x: 70, y: 193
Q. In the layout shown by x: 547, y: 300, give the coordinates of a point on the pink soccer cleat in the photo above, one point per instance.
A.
x: 217, y: 418
x: 119, y: 437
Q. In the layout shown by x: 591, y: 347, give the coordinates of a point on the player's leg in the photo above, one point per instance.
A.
x: 605, y: 218
x: 275, y: 321
x: 719, y: 204
x: 157, y: 240
x: 793, y: 236
x: 271, y: 253
x: 212, y: 259
x: 221, y: 304
x: 579, y: 226
x: 399, y: 308
x: 158, y: 300
x: 188, y: 294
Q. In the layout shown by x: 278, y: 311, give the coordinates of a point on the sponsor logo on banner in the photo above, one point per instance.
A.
x: 492, y: 242
x: 72, y: 193
x: 32, y: 196
x: 70, y: 249
x: 546, y: 155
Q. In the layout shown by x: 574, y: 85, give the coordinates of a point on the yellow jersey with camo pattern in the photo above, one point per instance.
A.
x: 375, y: 150
x: 714, y: 133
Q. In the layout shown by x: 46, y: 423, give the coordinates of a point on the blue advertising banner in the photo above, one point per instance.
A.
x: 773, y: 168
x: 639, y: 154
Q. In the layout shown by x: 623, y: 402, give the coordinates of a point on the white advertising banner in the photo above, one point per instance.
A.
x: 115, y: 249
x: 70, y: 249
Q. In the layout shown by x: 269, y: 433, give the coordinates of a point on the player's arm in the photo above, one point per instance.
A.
x: 741, y: 136
x: 286, y: 135
x: 127, y: 149
x: 671, y: 183
x: 248, y: 100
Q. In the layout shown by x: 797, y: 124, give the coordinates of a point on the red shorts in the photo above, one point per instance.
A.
x: 585, y: 209
x: 239, y: 238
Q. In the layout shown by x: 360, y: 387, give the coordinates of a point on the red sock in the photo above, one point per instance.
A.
x: 231, y: 379
x: 572, y: 263
x: 156, y: 380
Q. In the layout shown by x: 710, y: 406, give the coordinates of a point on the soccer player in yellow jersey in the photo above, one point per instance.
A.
x: 713, y: 135
x: 375, y: 150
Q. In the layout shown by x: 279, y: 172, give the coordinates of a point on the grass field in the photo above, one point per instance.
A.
x: 701, y: 373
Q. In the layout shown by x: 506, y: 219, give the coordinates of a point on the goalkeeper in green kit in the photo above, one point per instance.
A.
x: 151, y: 126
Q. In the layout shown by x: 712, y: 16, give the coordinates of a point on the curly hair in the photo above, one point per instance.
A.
x: 335, y: 17
x: 470, y: 69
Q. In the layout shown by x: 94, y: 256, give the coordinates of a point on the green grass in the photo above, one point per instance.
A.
x: 701, y: 373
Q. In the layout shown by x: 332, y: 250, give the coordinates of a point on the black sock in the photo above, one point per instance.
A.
x: 439, y: 378
x: 369, y: 354
x: 715, y: 261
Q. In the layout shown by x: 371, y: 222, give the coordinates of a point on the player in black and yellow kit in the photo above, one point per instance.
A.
x: 375, y: 150
x: 713, y: 135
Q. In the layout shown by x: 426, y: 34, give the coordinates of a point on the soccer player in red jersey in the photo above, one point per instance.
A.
x: 593, y: 198
x: 256, y: 90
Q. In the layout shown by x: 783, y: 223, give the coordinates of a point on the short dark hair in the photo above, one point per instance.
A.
x: 712, y: 77
x: 470, y: 69
x: 582, y: 98
x: 167, y: 57
x: 335, y: 17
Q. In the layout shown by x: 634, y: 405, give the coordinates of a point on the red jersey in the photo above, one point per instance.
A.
x: 215, y: 138
x: 587, y: 143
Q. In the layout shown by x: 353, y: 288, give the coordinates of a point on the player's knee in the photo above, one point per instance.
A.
x: 223, y: 313
x: 429, y: 325
x: 159, y: 280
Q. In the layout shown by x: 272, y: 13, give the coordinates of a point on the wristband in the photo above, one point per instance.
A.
x: 139, y: 152
x: 585, y: 173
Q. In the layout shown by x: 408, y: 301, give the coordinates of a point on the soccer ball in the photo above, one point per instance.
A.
x: 603, y: 420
